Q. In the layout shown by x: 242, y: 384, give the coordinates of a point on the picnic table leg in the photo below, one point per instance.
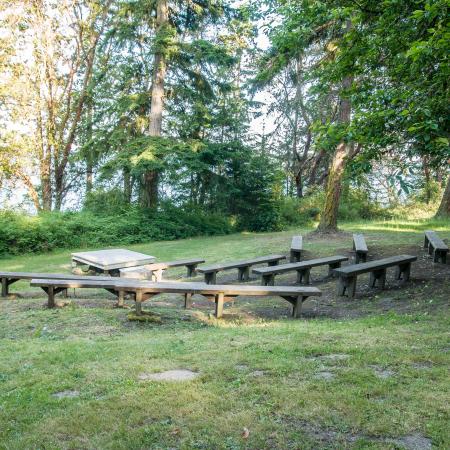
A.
x: 187, y: 300
x: 219, y: 305
x: 5, y: 287
x: 363, y: 257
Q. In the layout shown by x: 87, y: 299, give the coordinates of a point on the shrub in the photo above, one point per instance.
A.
x: 20, y: 233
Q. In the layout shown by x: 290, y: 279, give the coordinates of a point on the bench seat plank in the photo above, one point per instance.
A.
x: 436, y: 246
x: 243, y: 267
x: 303, y: 268
x: 146, y: 290
x: 296, y: 248
x: 158, y: 268
x: 348, y: 275
x: 9, y: 278
x: 360, y: 248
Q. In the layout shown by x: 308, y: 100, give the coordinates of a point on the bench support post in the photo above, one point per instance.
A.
x: 210, y: 277
x: 219, y: 305
x: 5, y: 286
x: 403, y: 272
x: 295, y: 256
x: 138, y: 303
x: 347, y: 284
x: 244, y: 273
x: 268, y: 279
x: 426, y: 242
x: 191, y: 270
x: 120, y: 299
x: 187, y: 300
x: 51, y: 297
x: 303, y: 276
x: 360, y: 257
x: 297, y: 306
x: 378, y: 277
x: 333, y: 266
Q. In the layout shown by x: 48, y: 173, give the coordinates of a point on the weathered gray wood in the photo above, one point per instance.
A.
x: 296, y: 248
x: 5, y: 287
x: 303, y: 268
x: 145, y: 290
x: 436, y: 246
x: 360, y: 248
x: 138, y: 302
x: 377, y: 270
x: 219, y: 305
x: 158, y: 268
x: 187, y: 300
x: 243, y: 267
x: 107, y: 260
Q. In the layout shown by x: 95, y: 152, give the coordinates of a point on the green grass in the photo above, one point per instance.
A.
x: 257, y: 371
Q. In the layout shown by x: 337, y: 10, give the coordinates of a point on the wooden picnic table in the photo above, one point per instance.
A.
x: 111, y: 261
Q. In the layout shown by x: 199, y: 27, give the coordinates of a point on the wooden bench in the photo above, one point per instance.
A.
x: 303, y: 269
x: 243, y: 267
x: 9, y: 278
x: 436, y: 246
x: 348, y: 275
x: 360, y: 248
x: 144, y: 291
x: 155, y: 271
x: 296, y: 249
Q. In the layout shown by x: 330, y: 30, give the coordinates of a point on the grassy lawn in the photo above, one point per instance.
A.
x: 371, y: 372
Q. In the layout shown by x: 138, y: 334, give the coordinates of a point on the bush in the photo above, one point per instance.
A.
x: 20, y: 233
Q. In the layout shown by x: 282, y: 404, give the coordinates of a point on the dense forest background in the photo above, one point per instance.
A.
x: 129, y: 120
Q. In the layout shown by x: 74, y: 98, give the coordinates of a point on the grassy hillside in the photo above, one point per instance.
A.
x: 371, y: 372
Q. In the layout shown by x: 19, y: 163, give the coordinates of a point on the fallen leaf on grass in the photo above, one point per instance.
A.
x: 245, y: 433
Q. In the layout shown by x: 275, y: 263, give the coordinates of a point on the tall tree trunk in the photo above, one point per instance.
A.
x: 328, y: 218
x: 426, y: 171
x: 444, y: 207
x: 151, y: 177
x: 89, y: 154
x: 127, y: 186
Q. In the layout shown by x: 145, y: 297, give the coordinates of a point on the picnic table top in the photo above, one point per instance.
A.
x: 117, y: 258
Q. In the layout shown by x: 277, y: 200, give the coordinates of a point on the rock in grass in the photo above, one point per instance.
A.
x: 145, y: 317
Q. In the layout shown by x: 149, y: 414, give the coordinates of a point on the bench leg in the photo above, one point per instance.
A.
x: 5, y: 287
x: 51, y: 297
x: 378, y: 277
x: 403, y: 272
x: 347, y: 284
x: 303, y: 276
x: 295, y: 256
x: 331, y: 267
x: 430, y: 249
x: 138, y: 303
x: 187, y: 300
x: 244, y: 273
x: 120, y: 299
x: 268, y: 280
x: 425, y: 242
x: 191, y: 270
x: 210, y: 278
x: 219, y: 305
x: 297, y: 306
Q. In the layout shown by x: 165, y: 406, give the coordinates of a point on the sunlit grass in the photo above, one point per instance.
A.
x: 258, y: 373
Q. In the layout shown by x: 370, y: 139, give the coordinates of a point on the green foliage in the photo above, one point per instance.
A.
x: 20, y: 233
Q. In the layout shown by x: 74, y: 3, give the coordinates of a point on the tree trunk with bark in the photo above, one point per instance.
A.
x: 328, y: 218
x: 444, y: 207
x: 151, y: 177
